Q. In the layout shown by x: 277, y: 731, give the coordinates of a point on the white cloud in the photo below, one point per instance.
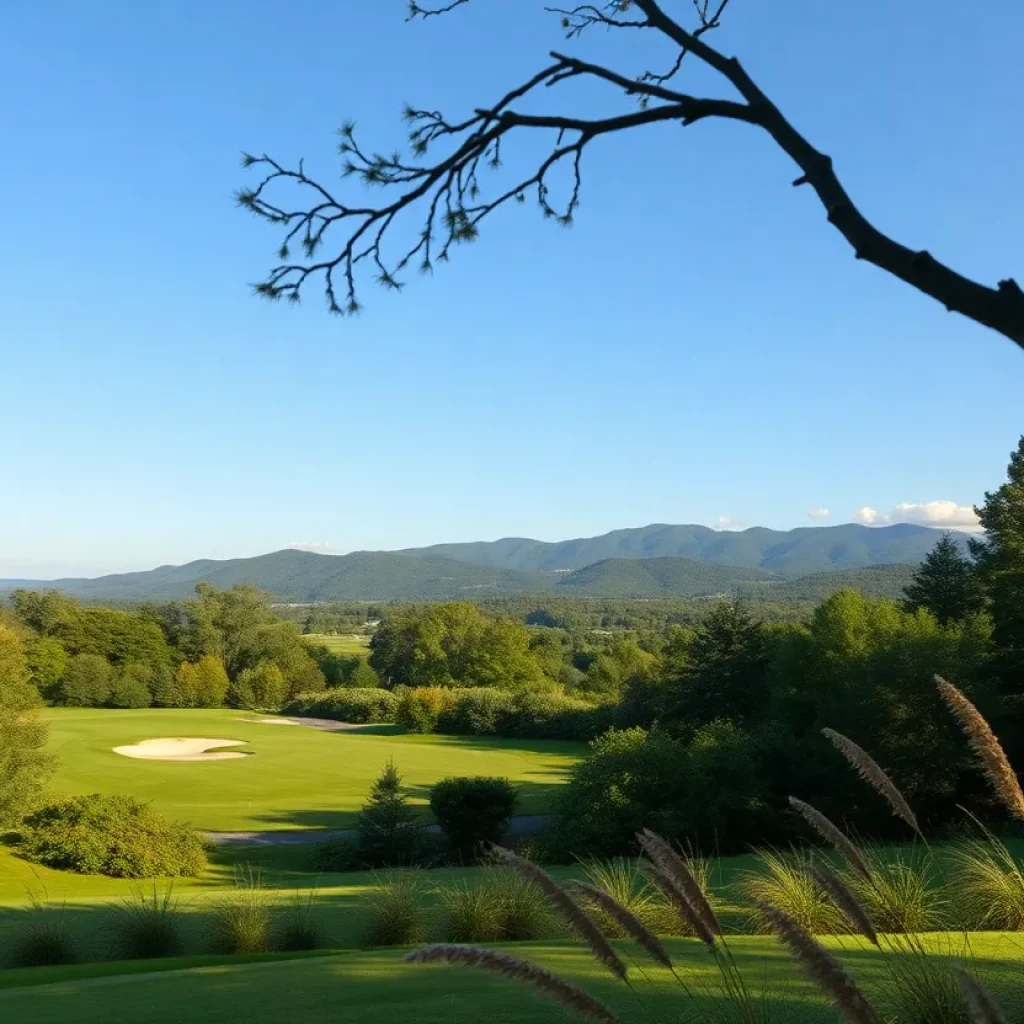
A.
x: 728, y: 523
x: 819, y: 513
x: 940, y: 514
x: 323, y: 546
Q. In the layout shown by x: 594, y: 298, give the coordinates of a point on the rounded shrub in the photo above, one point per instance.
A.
x: 111, y: 835
x: 358, y: 706
x: 421, y: 708
x: 473, y: 811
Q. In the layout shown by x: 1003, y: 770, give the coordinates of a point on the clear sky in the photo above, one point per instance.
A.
x: 699, y: 347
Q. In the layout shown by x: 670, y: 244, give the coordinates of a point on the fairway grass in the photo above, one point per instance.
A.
x: 377, y: 986
x: 348, y: 643
x: 294, y: 778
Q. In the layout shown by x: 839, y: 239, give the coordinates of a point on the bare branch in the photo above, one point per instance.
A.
x: 450, y: 189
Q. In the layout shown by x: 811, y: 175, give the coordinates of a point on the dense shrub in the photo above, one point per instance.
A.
x: 420, y: 708
x: 336, y: 855
x: 473, y: 811
x: 111, y: 835
x: 475, y: 712
x: 344, y: 705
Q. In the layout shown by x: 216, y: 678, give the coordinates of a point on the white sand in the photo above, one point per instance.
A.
x: 181, y: 748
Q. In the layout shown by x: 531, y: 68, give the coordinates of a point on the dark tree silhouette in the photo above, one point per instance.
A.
x: 946, y: 584
x: 449, y: 193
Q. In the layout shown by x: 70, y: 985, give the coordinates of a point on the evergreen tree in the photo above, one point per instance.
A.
x: 387, y: 824
x: 24, y: 764
x: 946, y: 584
x: 1000, y: 560
x: 163, y: 688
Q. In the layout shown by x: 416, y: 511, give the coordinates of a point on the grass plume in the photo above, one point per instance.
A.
x: 986, y: 747
x: 577, y: 918
x: 662, y: 854
x: 821, y: 967
x: 667, y: 884
x: 831, y: 833
x: 980, y: 1004
x: 873, y: 774
x: 628, y: 922
x: 842, y: 896
x: 563, y: 992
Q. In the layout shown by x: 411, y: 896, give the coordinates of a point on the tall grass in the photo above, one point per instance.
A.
x: 146, y: 925
x: 394, y: 910
x: 241, y: 919
x: 785, y: 883
x: 989, y: 889
x: 471, y: 913
x: 903, y: 894
x: 525, y: 913
x: 297, y: 928
x: 42, y: 938
x: 626, y: 884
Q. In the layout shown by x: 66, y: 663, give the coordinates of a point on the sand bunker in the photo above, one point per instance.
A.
x: 327, y: 724
x: 181, y: 748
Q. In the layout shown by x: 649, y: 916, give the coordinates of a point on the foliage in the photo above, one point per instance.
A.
x: 261, y: 687
x: 25, y: 766
x: 86, y: 682
x: 130, y: 686
x: 453, y: 644
x: 419, y: 709
x: 47, y: 659
x: 337, y: 854
x: 343, y: 705
x: 146, y: 924
x: 473, y: 812
x: 388, y: 827
x: 242, y: 919
x: 946, y: 583
x: 164, y: 692
x: 394, y: 910
x: 111, y: 835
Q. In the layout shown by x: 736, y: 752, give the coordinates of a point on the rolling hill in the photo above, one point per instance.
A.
x: 804, y: 564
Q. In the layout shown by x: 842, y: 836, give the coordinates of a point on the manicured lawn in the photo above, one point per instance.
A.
x: 376, y: 986
x: 348, y: 643
x: 296, y: 778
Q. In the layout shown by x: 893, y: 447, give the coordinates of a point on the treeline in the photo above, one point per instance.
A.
x: 222, y: 647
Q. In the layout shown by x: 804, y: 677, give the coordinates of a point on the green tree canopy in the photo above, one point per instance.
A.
x: 25, y: 766
x: 946, y: 584
x: 86, y: 682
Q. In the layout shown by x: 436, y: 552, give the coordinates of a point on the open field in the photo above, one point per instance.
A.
x: 377, y: 986
x: 345, y: 643
x: 296, y: 778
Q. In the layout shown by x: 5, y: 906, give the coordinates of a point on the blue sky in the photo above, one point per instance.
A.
x: 699, y: 345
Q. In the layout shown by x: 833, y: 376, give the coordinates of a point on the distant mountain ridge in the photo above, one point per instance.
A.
x: 802, y: 564
x: 790, y: 553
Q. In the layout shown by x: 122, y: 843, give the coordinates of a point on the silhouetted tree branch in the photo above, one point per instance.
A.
x: 449, y: 192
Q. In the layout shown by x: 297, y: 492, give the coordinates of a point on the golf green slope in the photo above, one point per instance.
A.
x: 296, y: 777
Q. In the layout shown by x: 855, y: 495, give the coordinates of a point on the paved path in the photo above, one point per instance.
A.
x: 520, y: 826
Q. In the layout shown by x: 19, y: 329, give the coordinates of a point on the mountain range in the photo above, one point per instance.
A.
x: 651, y: 561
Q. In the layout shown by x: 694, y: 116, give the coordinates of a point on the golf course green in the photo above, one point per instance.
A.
x: 293, y: 776
x: 377, y: 986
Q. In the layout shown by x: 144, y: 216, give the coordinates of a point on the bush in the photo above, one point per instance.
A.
x: 146, y: 926
x: 111, y: 835
x: 297, y: 928
x: 419, y: 709
x: 260, y: 688
x: 475, y: 712
x: 86, y: 682
x: 359, y: 707
x: 241, y: 920
x: 41, y: 937
x: 394, y: 910
x: 473, y: 811
x: 336, y: 855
